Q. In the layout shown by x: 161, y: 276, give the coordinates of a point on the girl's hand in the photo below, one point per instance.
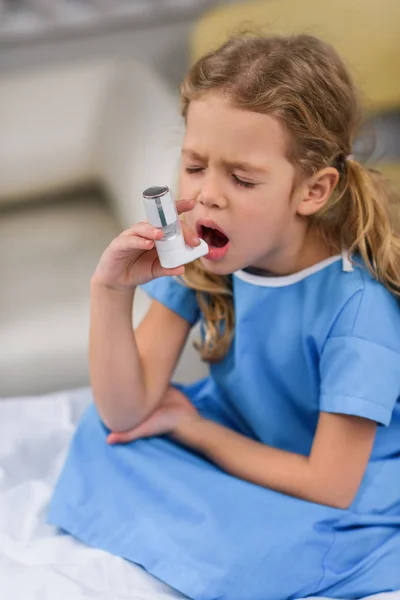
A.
x: 131, y: 259
x: 174, y: 409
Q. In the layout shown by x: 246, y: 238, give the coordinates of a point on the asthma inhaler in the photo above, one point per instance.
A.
x: 161, y: 212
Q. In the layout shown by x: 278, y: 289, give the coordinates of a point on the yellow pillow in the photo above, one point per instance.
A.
x: 365, y: 32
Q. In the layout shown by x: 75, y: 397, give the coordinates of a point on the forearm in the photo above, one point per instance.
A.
x: 283, y: 471
x: 115, y: 370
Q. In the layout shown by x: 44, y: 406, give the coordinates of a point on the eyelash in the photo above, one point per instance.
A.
x: 239, y: 182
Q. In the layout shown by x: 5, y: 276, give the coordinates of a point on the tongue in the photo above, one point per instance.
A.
x: 215, y: 238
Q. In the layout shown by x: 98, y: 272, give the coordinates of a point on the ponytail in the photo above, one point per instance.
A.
x: 371, y: 227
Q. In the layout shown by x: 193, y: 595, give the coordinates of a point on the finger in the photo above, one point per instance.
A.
x: 172, y: 272
x: 158, y: 271
x: 143, y: 229
x: 133, y: 243
x: 120, y: 438
x: 124, y: 437
x: 185, y: 205
x: 191, y: 238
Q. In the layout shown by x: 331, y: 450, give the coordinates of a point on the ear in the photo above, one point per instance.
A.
x: 317, y: 190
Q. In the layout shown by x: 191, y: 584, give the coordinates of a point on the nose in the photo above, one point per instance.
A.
x: 211, y: 195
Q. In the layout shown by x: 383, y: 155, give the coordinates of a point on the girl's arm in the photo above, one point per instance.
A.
x: 130, y: 371
x: 330, y: 475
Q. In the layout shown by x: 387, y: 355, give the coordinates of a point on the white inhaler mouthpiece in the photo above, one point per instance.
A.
x: 161, y: 212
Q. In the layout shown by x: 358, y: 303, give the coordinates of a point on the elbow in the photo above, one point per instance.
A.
x: 114, y: 423
x: 119, y: 421
x: 340, y: 499
x: 341, y: 503
x: 119, y: 414
x: 332, y: 489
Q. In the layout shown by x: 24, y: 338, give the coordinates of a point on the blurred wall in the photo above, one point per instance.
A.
x: 164, y: 47
x: 65, y: 104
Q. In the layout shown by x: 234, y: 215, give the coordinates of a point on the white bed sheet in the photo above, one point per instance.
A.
x: 36, y: 561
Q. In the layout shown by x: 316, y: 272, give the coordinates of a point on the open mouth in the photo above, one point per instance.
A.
x: 218, y: 242
x: 213, y: 237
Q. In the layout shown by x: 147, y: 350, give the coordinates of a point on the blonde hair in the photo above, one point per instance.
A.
x: 302, y: 81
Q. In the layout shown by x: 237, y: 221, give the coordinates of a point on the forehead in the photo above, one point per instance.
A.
x: 214, y: 125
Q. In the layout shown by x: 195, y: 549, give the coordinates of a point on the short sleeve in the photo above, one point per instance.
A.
x: 360, y: 361
x: 176, y: 296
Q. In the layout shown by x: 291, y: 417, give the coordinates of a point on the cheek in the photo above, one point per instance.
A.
x: 275, y: 204
x: 266, y: 215
x: 189, y: 220
x: 181, y: 185
x: 188, y: 186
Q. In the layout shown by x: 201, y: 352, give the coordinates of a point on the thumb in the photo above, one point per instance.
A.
x: 120, y: 437
x: 159, y: 271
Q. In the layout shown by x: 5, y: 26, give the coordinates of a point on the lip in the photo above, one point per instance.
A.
x: 214, y: 254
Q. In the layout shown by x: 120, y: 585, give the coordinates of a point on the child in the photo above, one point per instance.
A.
x: 278, y: 476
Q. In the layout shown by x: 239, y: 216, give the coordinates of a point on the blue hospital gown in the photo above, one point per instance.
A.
x: 325, y: 339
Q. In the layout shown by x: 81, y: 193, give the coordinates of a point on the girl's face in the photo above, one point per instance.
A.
x: 234, y: 165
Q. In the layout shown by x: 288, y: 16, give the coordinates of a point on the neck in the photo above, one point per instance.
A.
x: 310, y: 249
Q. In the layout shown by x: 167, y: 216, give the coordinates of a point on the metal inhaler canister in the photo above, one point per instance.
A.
x: 161, y: 212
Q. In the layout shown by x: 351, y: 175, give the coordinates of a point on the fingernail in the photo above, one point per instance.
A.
x: 196, y: 240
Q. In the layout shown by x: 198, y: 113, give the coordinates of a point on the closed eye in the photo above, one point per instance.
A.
x: 240, y: 182
x: 236, y: 179
x: 193, y: 169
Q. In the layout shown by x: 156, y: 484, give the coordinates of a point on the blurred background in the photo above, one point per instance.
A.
x: 89, y: 117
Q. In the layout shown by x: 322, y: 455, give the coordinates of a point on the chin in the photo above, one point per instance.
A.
x: 221, y: 267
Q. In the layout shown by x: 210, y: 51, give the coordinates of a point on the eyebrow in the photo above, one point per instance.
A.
x: 236, y: 164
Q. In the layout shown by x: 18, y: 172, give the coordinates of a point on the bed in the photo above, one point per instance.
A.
x: 38, y: 562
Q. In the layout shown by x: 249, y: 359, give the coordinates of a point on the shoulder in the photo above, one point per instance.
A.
x: 359, y: 363
x: 365, y: 309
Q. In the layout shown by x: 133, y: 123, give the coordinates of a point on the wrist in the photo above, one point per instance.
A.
x: 98, y: 285
x: 107, y: 296
x: 188, y: 431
